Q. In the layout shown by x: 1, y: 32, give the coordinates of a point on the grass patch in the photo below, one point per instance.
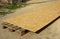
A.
x: 12, y: 7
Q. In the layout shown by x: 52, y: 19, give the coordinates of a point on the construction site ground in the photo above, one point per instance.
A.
x: 51, y: 32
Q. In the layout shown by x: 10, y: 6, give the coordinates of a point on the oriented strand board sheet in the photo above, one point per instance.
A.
x: 37, y: 19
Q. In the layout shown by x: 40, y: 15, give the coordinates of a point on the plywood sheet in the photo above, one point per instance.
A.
x: 37, y: 19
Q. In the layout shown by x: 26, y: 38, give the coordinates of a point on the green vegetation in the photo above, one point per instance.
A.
x: 3, y: 13
x: 24, y: 1
x: 12, y: 7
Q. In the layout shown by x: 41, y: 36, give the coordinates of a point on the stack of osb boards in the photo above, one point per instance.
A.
x: 35, y: 20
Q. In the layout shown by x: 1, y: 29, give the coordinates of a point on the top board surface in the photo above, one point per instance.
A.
x: 37, y: 19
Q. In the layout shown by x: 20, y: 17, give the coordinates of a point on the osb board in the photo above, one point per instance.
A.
x: 37, y: 19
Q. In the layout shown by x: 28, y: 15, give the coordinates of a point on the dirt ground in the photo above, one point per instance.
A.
x: 52, y: 32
